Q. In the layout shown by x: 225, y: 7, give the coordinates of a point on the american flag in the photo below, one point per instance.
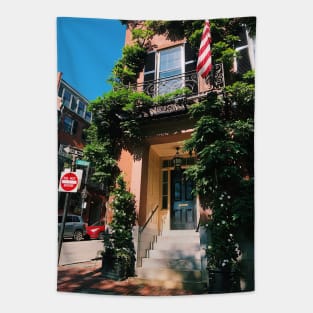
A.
x: 204, y: 64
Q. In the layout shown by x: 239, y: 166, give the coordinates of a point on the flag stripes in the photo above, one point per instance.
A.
x: 204, y: 64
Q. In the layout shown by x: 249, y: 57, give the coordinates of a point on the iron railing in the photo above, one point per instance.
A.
x: 167, y: 85
x: 145, y: 242
x: 187, y: 81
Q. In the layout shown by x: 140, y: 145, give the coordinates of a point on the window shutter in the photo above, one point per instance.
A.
x: 149, y: 72
x: 190, y: 58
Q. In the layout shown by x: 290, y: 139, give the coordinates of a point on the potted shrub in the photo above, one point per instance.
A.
x: 223, y: 251
x: 118, y: 260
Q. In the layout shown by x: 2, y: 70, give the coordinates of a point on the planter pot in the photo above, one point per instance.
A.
x: 111, y: 269
x: 223, y: 281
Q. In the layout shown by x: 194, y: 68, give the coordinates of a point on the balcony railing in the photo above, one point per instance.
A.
x: 187, y: 80
x: 167, y: 85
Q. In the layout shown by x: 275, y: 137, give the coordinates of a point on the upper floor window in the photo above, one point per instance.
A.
x: 88, y: 116
x: 170, y: 64
x: 169, y: 69
x: 66, y: 98
x: 69, y: 125
x: 81, y: 108
x: 60, y: 91
x: 74, y: 104
x: 245, y: 61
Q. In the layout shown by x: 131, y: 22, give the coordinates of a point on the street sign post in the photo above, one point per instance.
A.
x: 82, y: 162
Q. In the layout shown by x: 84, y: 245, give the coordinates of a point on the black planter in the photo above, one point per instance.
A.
x: 223, y: 281
x: 112, y: 269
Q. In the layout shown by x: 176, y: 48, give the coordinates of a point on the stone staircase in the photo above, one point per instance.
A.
x: 174, y: 261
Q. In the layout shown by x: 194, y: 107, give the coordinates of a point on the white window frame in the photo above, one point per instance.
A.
x: 182, y: 62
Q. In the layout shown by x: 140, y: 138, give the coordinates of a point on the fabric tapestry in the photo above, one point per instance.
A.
x: 155, y: 156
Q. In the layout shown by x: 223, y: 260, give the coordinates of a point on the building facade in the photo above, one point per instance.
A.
x: 73, y: 120
x: 163, y: 194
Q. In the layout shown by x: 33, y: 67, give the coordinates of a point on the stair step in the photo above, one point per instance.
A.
x: 176, y: 245
x: 190, y: 263
x: 195, y: 287
x: 174, y: 254
x: 180, y: 233
x: 177, y: 239
x: 166, y: 274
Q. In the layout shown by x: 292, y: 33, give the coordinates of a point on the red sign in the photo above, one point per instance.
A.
x: 69, y: 182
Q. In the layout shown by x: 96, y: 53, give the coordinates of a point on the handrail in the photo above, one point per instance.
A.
x: 148, y: 220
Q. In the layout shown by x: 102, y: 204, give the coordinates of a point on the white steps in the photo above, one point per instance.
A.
x: 174, y: 261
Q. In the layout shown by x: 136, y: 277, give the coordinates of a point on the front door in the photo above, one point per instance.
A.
x: 182, y: 202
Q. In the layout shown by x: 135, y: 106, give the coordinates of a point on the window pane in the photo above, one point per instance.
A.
x: 164, y: 189
x: 170, y: 59
x: 81, y: 109
x: 66, y: 98
x: 67, y: 124
x: 60, y: 91
x: 88, y: 116
x: 177, y: 191
x: 170, y: 65
x: 74, y: 104
x: 188, y: 190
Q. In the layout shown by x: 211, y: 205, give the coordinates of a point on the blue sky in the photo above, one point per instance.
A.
x: 87, y: 49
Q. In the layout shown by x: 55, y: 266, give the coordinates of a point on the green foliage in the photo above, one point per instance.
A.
x: 119, y: 246
x: 222, y: 139
x: 126, y: 70
x: 166, y: 98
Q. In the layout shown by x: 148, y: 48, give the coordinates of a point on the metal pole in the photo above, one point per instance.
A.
x: 67, y: 201
x: 66, y: 205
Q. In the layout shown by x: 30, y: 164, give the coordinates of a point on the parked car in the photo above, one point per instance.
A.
x: 74, y: 228
x: 95, y: 231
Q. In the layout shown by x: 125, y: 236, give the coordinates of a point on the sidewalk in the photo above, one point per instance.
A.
x: 86, y: 278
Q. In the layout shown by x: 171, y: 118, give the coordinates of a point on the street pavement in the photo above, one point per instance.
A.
x: 79, y: 251
x: 86, y: 277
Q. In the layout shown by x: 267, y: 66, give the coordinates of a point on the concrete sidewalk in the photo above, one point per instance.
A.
x: 86, y: 278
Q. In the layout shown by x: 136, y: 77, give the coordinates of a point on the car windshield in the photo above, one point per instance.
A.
x: 99, y: 223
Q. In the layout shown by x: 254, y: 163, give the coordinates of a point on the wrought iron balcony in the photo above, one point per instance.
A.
x: 167, y: 85
x: 187, y: 80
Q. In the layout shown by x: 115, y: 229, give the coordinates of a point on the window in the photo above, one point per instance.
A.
x: 66, y: 98
x: 164, y: 189
x: 171, y: 68
x: 81, y: 109
x: 75, y: 219
x: 88, y: 116
x: 170, y: 64
x: 74, y: 104
x: 60, y: 91
x: 69, y: 125
x: 245, y: 61
x: 69, y: 219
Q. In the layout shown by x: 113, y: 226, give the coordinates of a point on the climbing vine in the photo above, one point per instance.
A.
x: 222, y: 138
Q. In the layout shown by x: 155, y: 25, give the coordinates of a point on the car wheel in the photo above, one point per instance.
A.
x: 101, y: 236
x: 78, y: 235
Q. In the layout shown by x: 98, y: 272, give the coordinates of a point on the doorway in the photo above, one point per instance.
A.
x: 183, y: 215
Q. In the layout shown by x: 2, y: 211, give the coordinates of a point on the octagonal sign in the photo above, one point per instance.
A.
x: 68, y: 182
